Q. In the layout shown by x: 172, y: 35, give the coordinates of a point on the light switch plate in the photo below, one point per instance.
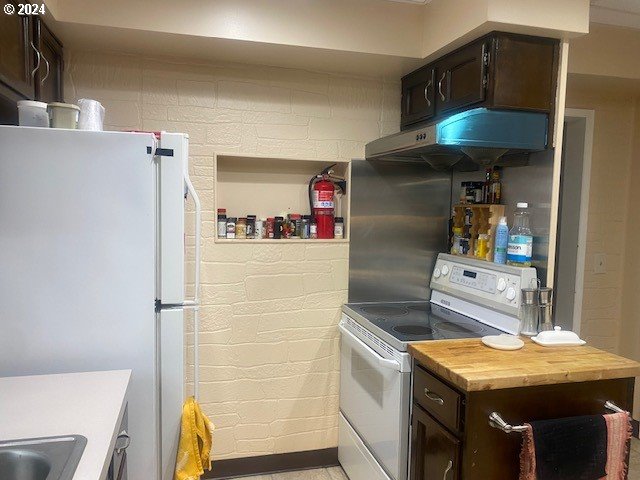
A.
x: 600, y: 263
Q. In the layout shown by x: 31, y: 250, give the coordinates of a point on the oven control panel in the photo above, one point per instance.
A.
x: 485, y: 283
x: 472, y: 278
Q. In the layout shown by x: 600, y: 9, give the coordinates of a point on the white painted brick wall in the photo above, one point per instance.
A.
x: 269, y: 341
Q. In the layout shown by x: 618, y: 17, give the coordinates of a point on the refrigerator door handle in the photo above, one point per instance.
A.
x: 198, y: 230
x: 195, y: 303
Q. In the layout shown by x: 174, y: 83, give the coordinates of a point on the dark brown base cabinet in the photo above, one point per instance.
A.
x: 31, y: 64
x: 435, y: 452
x: 118, y: 464
x: 451, y: 438
x: 500, y: 70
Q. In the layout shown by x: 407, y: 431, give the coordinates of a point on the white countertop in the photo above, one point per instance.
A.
x: 89, y: 404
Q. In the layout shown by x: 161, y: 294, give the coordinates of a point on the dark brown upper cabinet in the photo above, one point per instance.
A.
x: 418, y: 96
x: 500, y: 70
x: 31, y: 64
x: 522, y: 72
x: 48, y: 78
x: 16, y: 57
x: 461, y: 78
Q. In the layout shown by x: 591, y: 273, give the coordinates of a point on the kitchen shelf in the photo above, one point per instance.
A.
x: 284, y: 241
x: 485, y: 220
x: 477, y: 205
x: 265, y: 186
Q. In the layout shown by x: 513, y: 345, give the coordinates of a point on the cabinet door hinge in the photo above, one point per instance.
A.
x: 486, y: 58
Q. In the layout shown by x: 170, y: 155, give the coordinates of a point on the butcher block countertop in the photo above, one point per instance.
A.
x: 471, y: 366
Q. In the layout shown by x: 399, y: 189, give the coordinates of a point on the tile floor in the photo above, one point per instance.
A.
x: 336, y: 473
x: 332, y: 473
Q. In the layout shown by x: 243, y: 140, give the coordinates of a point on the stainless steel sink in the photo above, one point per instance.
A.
x: 49, y: 458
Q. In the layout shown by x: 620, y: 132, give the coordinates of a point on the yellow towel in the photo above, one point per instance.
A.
x: 195, y: 442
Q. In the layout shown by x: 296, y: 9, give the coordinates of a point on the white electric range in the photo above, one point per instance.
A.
x: 469, y: 298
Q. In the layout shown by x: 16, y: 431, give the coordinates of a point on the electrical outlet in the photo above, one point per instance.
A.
x: 600, y: 263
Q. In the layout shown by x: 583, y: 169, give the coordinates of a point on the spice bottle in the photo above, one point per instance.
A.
x: 251, y: 226
x: 495, y: 189
x: 476, y: 188
x: 313, y: 229
x: 462, y: 198
x: 231, y: 227
x: 306, y: 226
x: 222, y: 223
x: 338, y: 228
x: 277, y: 227
x: 455, y: 244
x: 296, y: 225
x: 260, y: 228
x: 241, y: 228
x: 468, y: 215
x: 287, y: 227
x: 486, y: 186
x: 465, y: 245
x: 270, y: 230
x: 467, y: 192
x: 482, y: 246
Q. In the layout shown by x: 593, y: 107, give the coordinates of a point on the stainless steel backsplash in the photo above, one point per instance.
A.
x: 399, y: 224
x: 400, y: 219
x: 532, y: 184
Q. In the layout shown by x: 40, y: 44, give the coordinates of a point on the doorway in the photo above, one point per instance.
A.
x: 575, y: 179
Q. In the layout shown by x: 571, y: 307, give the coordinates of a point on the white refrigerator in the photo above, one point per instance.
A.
x: 92, y: 270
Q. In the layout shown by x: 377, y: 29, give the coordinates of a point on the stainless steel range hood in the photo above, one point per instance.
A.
x: 482, y: 135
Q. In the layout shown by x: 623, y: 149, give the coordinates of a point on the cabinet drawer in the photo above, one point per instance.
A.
x: 440, y: 400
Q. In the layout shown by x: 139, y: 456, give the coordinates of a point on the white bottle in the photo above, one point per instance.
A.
x: 520, y: 247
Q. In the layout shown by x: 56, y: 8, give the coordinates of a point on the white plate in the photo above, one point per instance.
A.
x: 503, y: 342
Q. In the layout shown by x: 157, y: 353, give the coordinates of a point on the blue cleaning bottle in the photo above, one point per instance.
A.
x: 502, y: 241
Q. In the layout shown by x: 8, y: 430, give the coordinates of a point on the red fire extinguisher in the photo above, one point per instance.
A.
x: 324, y: 206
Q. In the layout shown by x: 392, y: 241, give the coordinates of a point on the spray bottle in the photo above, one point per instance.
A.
x: 501, y: 242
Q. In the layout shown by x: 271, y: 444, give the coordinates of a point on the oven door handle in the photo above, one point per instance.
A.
x: 367, y: 350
